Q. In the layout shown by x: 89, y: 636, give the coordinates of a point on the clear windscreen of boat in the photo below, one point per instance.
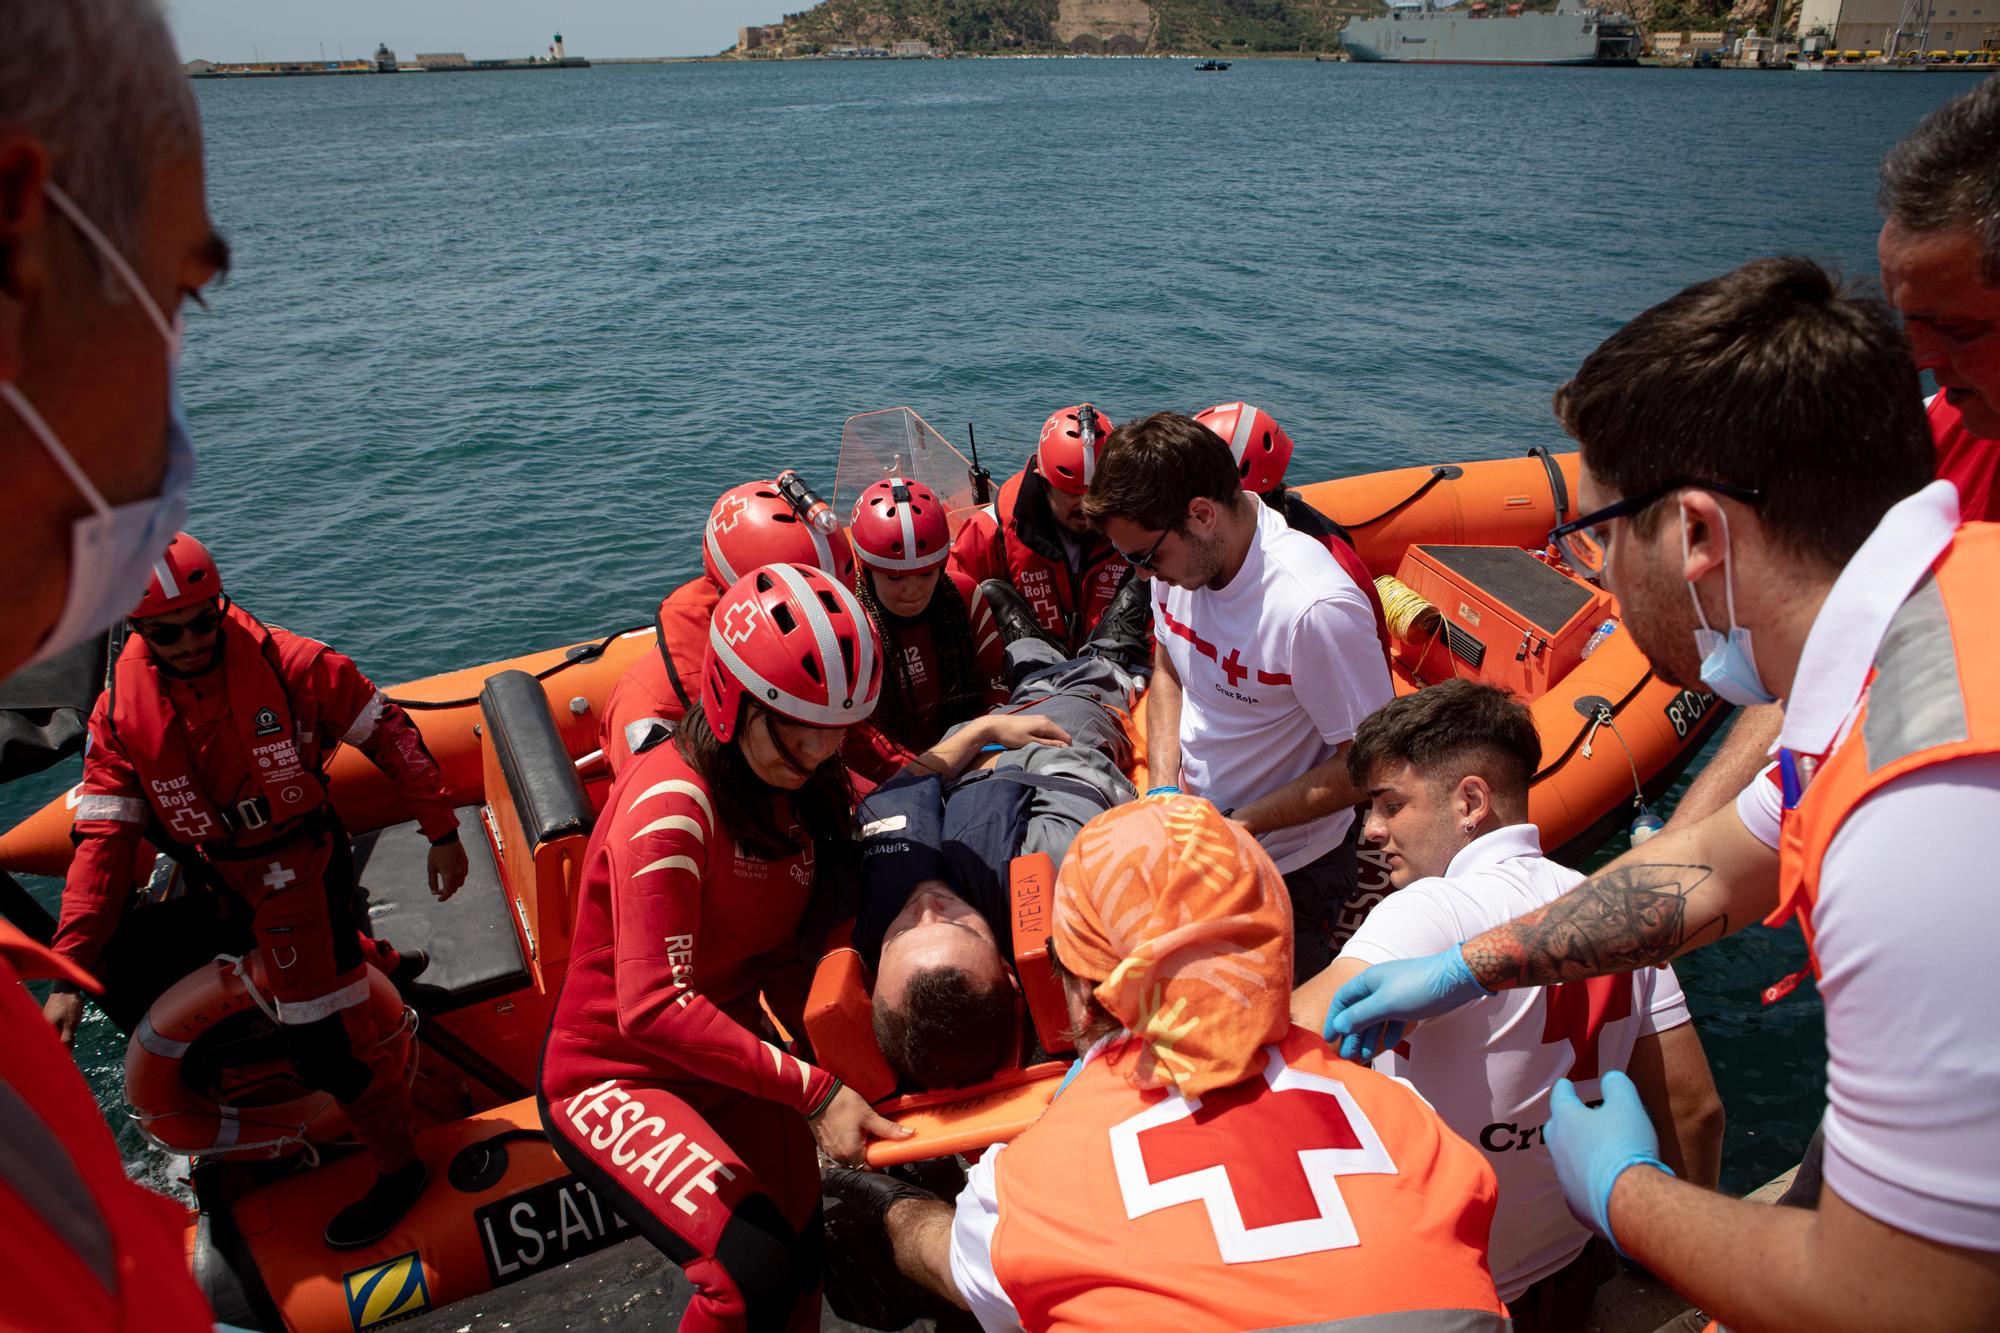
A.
x: 896, y: 442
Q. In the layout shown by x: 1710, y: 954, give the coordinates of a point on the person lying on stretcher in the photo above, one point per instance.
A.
x: 934, y: 924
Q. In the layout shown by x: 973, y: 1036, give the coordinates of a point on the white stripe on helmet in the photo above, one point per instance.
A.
x: 911, y: 562
x: 165, y: 574
x: 729, y: 574
x: 1239, y: 442
x: 1089, y: 445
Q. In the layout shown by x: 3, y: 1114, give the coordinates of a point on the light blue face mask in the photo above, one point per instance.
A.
x: 1728, y: 665
x: 112, y: 549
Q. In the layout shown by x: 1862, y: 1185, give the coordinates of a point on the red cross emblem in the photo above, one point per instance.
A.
x: 1232, y: 667
x: 739, y: 621
x: 1577, y: 1012
x: 727, y: 512
x: 191, y: 823
x: 1263, y: 1158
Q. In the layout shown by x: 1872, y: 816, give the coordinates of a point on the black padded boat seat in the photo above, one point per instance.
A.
x: 475, y: 951
x: 1515, y: 578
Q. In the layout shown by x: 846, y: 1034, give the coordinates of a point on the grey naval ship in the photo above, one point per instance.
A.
x: 1417, y: 32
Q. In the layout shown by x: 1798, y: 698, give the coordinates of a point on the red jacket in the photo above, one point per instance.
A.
x: 225, y: 762
x: 676, y: 932
x: 86, y: 1247
x: 1017, y: 540
x: 1968, y: 461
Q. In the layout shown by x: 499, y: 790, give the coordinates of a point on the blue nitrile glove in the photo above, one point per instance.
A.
x: 1592, y: 1146
x: 1370, y: 1012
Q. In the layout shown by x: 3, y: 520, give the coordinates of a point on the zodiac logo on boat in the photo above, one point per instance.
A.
x: 739, y: 621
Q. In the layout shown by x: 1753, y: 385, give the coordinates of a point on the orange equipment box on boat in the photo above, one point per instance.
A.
x: 1509, y: 618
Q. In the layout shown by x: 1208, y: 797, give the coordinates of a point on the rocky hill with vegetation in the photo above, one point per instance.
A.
x: 1099, y: 26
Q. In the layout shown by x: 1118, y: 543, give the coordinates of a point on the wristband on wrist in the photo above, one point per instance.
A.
x: 827, y: 1100
x: 447, y: 840
x: 1167, y: 790
x: 64, y: 986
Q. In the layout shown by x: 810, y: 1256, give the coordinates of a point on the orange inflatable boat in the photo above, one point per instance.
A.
x: 1474, y: 595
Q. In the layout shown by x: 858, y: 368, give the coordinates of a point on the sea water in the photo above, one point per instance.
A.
x: 491, y: 345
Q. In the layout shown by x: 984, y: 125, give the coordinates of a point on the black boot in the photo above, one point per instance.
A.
x: 1012, y: 614
x: 375, y: 1215
x: 1125, y: 633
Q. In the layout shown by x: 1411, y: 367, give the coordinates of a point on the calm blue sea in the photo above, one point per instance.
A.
x: 493, y: 344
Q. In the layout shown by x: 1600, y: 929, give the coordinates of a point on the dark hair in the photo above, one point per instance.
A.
x: 1448, y: 730
x: 1153, y: 468
x: 950, y: 1030
x: 745, y: 803
x: 961, y: 694
x: 1946, y: 173
x: 1097, y: 1020
x: 1769, y: 377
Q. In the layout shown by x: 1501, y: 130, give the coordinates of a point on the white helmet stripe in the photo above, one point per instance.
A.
x: 903, y: 515
x: 931, y: 561
x: 822, y: 550
x: 821, y: 625
x: 729, y: 574
x: 1089, y: 448
x: 818, y: 715
x: 1246, y: 416
x: 165, y: 574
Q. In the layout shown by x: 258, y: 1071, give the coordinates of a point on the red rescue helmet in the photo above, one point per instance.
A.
x: 1263, y: 451
x: 900, y: 526
x: 184, y: 575
x: 796, y: 641
x: 1071, y: 441
x: 753, y: 525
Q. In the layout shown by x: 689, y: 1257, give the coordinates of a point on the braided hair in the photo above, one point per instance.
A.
x: 961, y: 692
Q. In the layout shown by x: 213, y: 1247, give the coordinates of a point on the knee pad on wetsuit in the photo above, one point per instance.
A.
x: 326, y: 1060
x: 770, y: 1264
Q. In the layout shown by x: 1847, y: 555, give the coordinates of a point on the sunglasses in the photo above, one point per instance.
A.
x: 163, y: 636
x: 1584, y: 543
x: 1146, y: 561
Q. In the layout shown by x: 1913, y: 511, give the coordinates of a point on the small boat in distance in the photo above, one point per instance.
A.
x: 1213, y: 64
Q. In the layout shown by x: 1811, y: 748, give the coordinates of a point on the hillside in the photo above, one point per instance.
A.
x: 1098, y: 26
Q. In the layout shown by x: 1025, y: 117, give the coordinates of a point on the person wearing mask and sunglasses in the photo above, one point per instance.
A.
x: 211, y: 743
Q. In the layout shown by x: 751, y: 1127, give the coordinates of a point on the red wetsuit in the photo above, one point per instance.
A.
x: 86, y: 1247
x: 647, y: 690
x: 1970, y: 462
x: 911, y: 655
x: 225, y: 771
x: 655, y: 1087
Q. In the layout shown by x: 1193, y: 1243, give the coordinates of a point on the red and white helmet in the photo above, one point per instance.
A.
x: 184, y: 575
x: 1263, y: 451
x: 901, y: 526
x: 1071, y: 441
x: 752, y: 525
x: 796, y: 641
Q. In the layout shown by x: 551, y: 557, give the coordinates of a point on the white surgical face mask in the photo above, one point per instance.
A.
x: 1728, y: 664
x: 112, y: 549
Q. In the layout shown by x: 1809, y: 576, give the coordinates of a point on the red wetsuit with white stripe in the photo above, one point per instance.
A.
x: 655, y: 1087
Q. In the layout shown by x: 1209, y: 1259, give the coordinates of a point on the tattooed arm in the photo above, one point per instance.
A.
x: 1685, y: 888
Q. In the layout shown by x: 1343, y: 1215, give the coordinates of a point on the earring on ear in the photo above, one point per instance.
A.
x: 1467, y: 827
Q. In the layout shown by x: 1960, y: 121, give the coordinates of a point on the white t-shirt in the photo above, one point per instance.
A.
x: 1489, y: 1067
x: 1276, y: 670
x: 1906, y: 919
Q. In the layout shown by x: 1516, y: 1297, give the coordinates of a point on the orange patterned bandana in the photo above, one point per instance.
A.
x: 1184, y: 923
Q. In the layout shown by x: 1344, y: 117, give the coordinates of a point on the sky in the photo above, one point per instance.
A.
x: 482, y: 29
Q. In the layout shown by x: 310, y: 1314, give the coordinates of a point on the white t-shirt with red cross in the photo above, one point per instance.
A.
x: 1489, y: 1067
x: 1276, y: 669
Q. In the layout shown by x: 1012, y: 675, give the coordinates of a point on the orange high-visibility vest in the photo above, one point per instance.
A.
x: 1933, y: 696
x: 1312, y: 1191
